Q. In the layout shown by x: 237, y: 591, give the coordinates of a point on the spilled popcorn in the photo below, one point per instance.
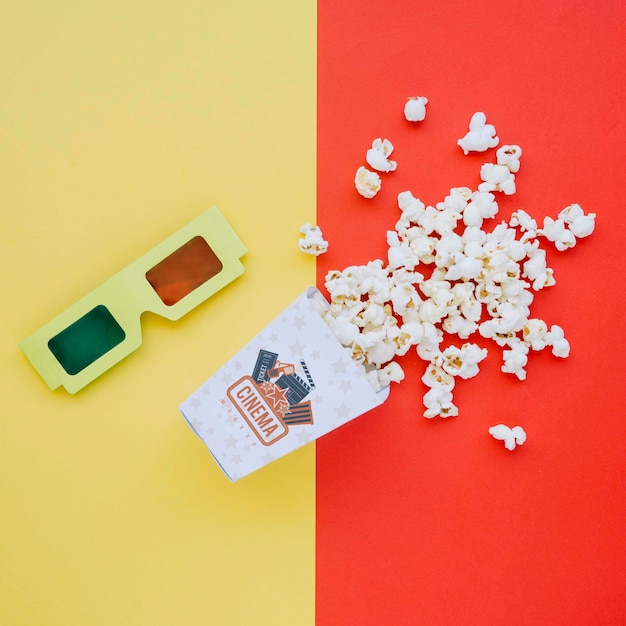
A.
x: 448, y: 277
x: 313, y: 241
x: 511, y: 436
x: 481, y: 136
x: 367, y: 183
x: 377, y: 157
x: 415, y: 109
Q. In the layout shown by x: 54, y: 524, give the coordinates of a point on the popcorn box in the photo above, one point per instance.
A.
x: 291, y: 384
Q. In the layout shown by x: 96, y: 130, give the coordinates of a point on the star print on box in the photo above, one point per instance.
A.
x: 291, y: 384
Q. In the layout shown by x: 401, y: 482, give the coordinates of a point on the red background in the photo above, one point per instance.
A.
x: 432, y: 521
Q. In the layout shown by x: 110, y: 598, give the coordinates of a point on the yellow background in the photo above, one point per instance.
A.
x: 119, y: 123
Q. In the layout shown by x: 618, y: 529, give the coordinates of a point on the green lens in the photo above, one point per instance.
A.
x: 86, y: 340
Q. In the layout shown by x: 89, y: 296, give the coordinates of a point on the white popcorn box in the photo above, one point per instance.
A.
x: 291, y: 384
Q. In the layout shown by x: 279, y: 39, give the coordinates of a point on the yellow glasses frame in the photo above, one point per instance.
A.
x: 104, y: 326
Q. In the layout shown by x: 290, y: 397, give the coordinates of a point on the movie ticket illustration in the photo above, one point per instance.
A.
x: 273, y: 397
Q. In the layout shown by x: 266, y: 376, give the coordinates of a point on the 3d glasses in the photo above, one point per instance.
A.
x: 104, y: 327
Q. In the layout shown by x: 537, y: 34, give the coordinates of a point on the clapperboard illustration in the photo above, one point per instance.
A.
x: 274, y: 397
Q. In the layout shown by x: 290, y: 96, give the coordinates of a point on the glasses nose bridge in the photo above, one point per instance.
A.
x: 124, y: 301
x: 134, y: 296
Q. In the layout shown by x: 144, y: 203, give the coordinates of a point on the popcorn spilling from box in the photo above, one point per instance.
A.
x: 449, y: 277
x: 291, y: 384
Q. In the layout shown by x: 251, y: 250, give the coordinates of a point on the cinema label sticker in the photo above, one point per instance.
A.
x: 264, y: 422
